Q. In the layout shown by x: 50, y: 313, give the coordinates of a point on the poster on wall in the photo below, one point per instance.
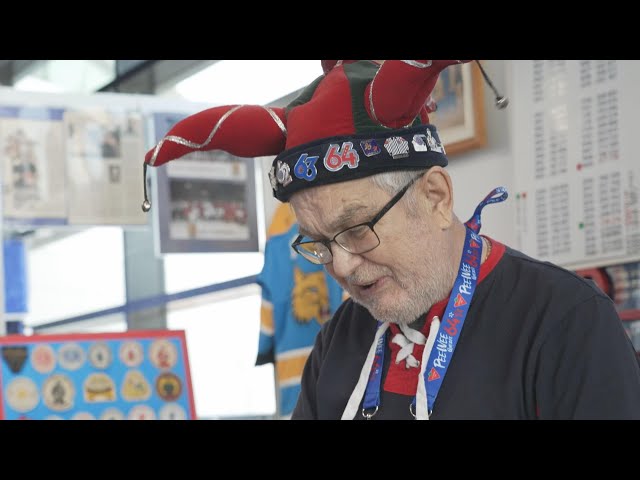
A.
x: 206, y: 201
x: 33, y: 165
x: 134, y: 375
x: 575, y: 151
x: 105, y: 154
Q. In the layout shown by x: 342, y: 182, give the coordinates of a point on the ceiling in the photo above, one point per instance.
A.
x: 89, y: 76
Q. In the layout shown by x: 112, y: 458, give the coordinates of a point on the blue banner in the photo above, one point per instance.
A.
x: 15, y: 277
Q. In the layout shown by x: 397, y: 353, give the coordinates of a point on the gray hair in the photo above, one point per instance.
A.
x: 392, y: 182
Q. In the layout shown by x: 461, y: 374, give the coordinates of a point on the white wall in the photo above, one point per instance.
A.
x: 477, y: 172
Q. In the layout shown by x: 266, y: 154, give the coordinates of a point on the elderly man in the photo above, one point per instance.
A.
x: 442, y: 323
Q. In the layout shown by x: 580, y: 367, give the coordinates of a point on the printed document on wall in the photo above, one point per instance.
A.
x: 33, y: 165
x: 576, y: 160
x: 105, y: 153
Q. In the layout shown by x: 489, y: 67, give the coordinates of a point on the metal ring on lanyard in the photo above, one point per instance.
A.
x: 411, y: 407
x: 369, y: 415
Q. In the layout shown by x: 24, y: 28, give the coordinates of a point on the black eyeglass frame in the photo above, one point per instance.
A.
x: 371, y: 223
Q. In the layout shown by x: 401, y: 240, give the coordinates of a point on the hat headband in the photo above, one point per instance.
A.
x: 349, y: 157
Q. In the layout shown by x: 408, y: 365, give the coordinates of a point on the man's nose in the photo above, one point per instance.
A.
x: 344, y: 263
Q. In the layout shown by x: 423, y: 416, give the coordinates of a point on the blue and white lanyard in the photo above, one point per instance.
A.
x: 452, y: 321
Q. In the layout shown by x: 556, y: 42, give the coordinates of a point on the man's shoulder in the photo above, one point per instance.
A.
x: 545, y: 276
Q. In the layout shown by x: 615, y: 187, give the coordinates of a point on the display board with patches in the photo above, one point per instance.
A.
x: 137, y: 375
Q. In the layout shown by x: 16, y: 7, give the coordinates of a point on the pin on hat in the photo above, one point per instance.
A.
x: 360, y: 118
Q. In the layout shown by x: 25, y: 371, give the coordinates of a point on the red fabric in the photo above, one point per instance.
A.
x: 404, y: 380
x: 400, y: 91
x: 400, y: 94
x: 401, y: 379
x: 250, y: 131
x: 327, y: 114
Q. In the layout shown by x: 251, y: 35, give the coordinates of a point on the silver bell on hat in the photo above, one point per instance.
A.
x: 501, y: 101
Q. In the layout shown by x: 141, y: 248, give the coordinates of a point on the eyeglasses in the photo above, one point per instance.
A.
x: 357, y: 239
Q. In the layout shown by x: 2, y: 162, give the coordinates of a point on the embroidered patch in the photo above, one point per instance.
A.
x: 100, y: 355
x: 71, y: 356
x: 14, y: 357
x: 22, y: 394
x: 172, y: 411
x: 141, y: 412
x: 83, y: 416
x: 43, y: 358
x: 168, y: 386
x: 310, y: 297
x: 58, y: 392
x: 135, y: 387
x: 112, y: 414
x: 131, y: 353
x: 99, y: 387
x: 163, y: 354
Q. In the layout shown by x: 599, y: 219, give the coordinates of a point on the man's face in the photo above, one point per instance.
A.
x: 407, y: 273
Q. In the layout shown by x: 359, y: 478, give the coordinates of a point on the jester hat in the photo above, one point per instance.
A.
x: 359, y: 118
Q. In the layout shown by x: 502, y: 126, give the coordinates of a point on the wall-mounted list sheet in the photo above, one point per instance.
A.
x: 577, y: 160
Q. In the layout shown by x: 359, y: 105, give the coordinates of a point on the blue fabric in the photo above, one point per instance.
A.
x: 303, y: 296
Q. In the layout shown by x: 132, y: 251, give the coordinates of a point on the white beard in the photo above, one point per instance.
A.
x: 429, y: 281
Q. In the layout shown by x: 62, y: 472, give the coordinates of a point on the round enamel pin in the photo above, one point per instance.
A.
x: 141, y: 412
x: 99, y: 387
x: 172, y: 411
x: 100, y: 355
x: 22, y: 394
x: 43, y: 358
x: 71, y: 356
x: 131, y: 353
x: 168, y: 386
x: 58, y: 392
x: 163, y: 354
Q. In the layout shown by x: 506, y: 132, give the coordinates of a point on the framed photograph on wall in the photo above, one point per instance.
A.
x: 206, y: 201
x: 460, y: 117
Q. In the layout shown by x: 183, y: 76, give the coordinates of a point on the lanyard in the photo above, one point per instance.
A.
x: 452, y: 320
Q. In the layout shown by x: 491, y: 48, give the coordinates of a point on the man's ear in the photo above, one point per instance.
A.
x: 437, y: 186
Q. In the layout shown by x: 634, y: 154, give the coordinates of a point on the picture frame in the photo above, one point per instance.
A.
x: 204, y: 202
x: 460, y: 116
